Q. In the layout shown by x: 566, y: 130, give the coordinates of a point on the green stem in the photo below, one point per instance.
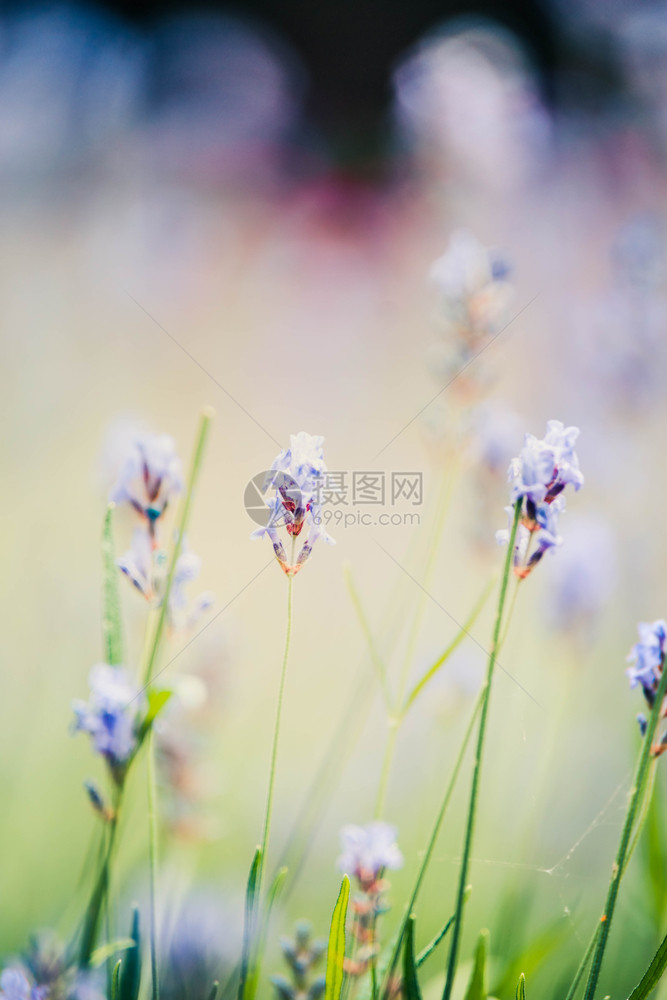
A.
x: 582, y: 966
x: 641, y: 774
x: 100, y: 889
x: 276, y: 736
x: 431, y: 844
x: 152, y: 853
x: 197, y: 456
x: 394, y: 724
x: 249, y: 986
x: 474, y: 788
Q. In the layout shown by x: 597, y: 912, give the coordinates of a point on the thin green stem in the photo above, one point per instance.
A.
x: 571, y: 993
x: 276, y: 736
x: 376, y: 659
x: 643, y: 813
x: 197, y: 456
x: 641, y: 774
x: 100, y: 888
x: 249, y: 985
x: 153, y: 859
x: 394, y: 725
x: 477, y: 767
x: 430, y: 847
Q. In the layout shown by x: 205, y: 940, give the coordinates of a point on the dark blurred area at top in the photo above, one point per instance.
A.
x: 350, y: 47
x: 339, y: 57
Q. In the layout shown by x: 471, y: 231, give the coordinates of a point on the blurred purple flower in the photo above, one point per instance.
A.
x: 145, y: 565
x: 473, y: 284
x: 111, y: 715
x: 368, y: 850
x: 150, y: 476
x: 14, y: 985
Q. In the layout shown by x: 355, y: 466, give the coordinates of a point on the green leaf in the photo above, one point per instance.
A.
x: 214, y: 990
x: 115, y: 980
x: 653, y: 974
x: 157, y: 699
x: 249, y: 925
x: 131, y: 977
x: 477, y: 987
x: 411, y: 989
x: 112, y: 630
x: 336, y: 950
x: 432, y: 945
x: 101, y: 954
x: 521, y: 988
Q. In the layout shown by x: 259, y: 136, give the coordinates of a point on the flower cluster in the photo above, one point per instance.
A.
x: 149, y: 479
x: 368, y: 851
x: 111, y: 716
x: 296, y: 477
x: 302, y: 955
x: 647, y: 660
x: 538, y: 476
x: 45, y: 972
x: 475, y: 294
x: 145, y: 565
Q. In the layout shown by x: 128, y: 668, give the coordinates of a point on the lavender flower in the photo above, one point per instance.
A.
x: 368, y: 850
x: 150, y: 476
x: 146, y: 567
x: 473, y: 282
x: 14, y: 985
x: 137, y: 562
x: 647, y: 657
x: 297, y: 476
x: 474, y: 291
x: 111, y: 716
x: 538, y: 476
x: 546, y: 466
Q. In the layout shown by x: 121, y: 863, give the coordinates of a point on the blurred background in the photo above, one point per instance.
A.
x: 240, y: 206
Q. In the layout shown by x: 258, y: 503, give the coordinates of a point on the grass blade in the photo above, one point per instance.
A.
x: 430, y: 948
x: 156, y: 702
x: 653, y: 974
x: 336, y: 950
x: 112, y: 629
x: 411, y: 989
x: 477, y: 987
x: 521, y: 988
x: 115, y: 981
x: 214, y: 990
x: 105, y: 951
x: 249, y: 926
x: 131, y: 978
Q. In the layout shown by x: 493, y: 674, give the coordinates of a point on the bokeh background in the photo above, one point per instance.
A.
x: 239, y: 206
